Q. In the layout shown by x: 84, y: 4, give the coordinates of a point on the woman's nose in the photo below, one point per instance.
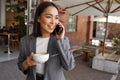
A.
x: 53, y: 21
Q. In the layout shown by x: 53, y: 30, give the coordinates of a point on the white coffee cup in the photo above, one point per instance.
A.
x: 41, y: 57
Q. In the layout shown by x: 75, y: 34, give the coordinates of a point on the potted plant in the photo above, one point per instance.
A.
x: 21, y: 27
x: 116, y: 45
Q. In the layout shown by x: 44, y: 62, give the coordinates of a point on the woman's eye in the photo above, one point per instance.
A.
x: 48, y: 16
x: 57, y: 18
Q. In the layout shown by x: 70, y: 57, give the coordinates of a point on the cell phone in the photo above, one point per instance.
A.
x: 58, y: 29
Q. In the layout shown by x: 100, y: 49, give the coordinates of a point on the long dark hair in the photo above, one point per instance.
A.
x: 40, y: 9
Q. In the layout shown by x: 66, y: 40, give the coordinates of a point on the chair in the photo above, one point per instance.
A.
x: 86, y: 54
x: 2, y: 40
x: 14, y: 39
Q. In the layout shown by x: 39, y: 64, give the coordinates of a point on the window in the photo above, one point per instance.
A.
x: 71, y: 24
x: 99, y: 30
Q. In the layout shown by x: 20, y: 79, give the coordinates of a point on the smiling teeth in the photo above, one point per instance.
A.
x: 49, y: 26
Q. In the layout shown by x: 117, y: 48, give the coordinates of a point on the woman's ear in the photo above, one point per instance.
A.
x: 38, y: 19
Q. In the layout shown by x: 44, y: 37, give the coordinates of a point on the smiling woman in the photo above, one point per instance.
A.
x: 45, y: 39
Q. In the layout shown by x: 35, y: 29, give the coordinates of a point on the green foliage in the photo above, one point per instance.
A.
x: 20, y: 9
x: 116, y: 44
x: 21, y: 27
x: 20, y: 19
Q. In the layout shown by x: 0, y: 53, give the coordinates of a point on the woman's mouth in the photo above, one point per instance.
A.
x: 51, y: 27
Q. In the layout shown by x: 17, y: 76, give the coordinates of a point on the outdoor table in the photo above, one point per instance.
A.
x: 86, y: 54
x: 8, y: 46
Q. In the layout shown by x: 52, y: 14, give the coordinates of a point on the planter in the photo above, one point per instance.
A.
x: 107, y: 63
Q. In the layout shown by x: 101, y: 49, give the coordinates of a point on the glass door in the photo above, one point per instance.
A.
x: 32, y: 5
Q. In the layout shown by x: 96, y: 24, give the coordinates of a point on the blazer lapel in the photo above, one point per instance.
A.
x: 33, y: 44
x: 33, y: 49
x: 49, y: 51
x: 50, y: 44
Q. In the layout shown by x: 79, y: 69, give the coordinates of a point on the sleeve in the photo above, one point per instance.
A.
x: 22, y: 56
x: 66, y: 55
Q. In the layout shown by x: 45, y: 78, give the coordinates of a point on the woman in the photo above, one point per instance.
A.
x: 45, y: 39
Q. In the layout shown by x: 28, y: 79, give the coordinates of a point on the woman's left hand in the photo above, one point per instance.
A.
x: 60, y: 36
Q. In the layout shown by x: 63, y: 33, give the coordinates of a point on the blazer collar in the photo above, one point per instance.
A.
x: 33, y: 43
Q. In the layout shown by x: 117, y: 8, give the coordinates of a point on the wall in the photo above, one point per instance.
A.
x: 10, y: 18
x: 84, y: 29
x: 3, y: 14
x: 113, y: 30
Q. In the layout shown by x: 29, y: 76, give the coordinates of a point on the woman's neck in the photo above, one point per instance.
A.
x: 45, y: 35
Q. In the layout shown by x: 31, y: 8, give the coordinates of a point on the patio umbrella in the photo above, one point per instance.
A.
x: 111, y: 19
x: 94, y: 7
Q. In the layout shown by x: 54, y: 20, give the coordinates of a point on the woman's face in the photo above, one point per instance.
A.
x: 48, y: 20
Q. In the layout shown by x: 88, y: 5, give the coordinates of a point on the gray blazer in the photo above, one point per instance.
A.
x: 60, y: 58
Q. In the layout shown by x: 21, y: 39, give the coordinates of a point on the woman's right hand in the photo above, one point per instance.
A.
x: 29, y: 62
x: 60, y: 36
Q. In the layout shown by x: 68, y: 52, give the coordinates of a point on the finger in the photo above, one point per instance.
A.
x: 31, y: 55
x: 61, y: 25
x: 30, y: 61
x: 33, y: 63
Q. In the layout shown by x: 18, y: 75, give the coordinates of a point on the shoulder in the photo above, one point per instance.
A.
x: 27, y: 38
x: 54, y: 37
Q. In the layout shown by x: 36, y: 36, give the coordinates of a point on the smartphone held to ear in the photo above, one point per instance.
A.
x: 58, y: 29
